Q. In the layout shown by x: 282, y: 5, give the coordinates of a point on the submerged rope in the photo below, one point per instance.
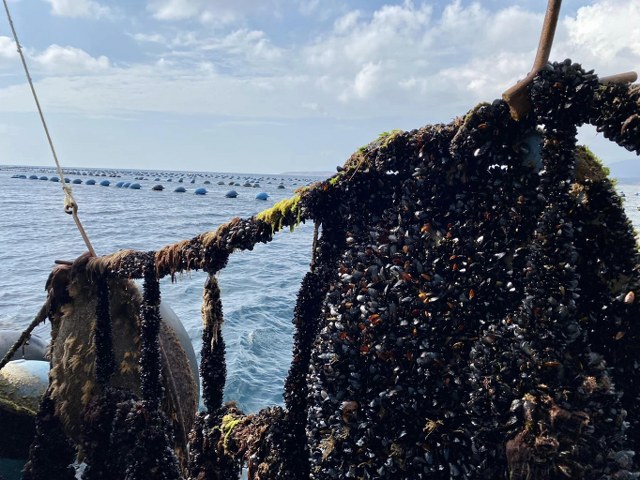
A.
x: 70, y: 204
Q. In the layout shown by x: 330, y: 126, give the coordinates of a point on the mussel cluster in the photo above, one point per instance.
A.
x: 470, y: 312
x: 477, y: 328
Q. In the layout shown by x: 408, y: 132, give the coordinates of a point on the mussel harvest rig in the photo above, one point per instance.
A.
x: 470, y: 312
x: 475, y: 317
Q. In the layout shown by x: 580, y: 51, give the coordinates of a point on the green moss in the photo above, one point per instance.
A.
x: 229, y: 422
x: 285, y: 212
x: 386, y: 137
x: 588, y: 165
x: 335, y: 179
x: 473, y: 113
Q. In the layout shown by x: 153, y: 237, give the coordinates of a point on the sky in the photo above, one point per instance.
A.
x: 268, y: 86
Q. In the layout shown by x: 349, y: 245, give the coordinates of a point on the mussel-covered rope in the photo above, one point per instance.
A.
x: 51, y: 454
x: 307, y: 319
x: 150, y: 364
x: 140, y: 430
x: 548, y: 424
x: 105, y: 360
x: 213, y: 370
x: 614, y: 112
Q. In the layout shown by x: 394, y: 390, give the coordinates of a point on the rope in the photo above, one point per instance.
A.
x: 70, y: 205
x: 39, y: 318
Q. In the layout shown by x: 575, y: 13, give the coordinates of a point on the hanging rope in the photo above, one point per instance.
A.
x: 26, y: 334
x: 70, y: 204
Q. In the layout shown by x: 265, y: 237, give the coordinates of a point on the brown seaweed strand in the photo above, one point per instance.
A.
x: 150, y: 366
x: 213, y: 368
x: 208, y: 251
x: 105, y: 361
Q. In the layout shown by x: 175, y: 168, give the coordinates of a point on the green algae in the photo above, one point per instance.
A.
x: 229, y: 422
x: 286, y: 212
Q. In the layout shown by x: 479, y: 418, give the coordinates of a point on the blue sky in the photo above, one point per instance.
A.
x: 274, y: 85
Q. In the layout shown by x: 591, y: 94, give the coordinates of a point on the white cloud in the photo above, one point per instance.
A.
x: 67, y: 60
x: 161, y: 88
x: 401, y: 65
x: 400, y: 60
x: 78, y: 8
x: 254, y: 44
x: 606, y: 35
x: 176, y: 9
x: 242, y: 51
x: 308, y: 7
x: 149, y: 38
x: 467, y: 54
x: 346, y: 22
x: 218, y: 12
x: 8, y: 48
x: 366, y: 80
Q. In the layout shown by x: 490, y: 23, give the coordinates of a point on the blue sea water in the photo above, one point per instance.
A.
x: 258, y: 287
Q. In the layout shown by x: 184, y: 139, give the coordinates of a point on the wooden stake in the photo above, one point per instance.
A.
x: 517, y: 97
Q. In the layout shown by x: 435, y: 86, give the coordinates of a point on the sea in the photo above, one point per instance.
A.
x: 258, y: 287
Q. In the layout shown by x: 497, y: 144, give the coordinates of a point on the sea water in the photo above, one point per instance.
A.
x: 258, y: 287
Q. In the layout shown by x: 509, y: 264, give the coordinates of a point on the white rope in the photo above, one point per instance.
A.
x: 70, y: 205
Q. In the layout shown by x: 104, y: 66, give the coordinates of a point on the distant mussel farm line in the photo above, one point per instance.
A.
x: 229, y: 185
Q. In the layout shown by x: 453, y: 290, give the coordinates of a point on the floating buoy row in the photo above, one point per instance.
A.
x: 247, y: 182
